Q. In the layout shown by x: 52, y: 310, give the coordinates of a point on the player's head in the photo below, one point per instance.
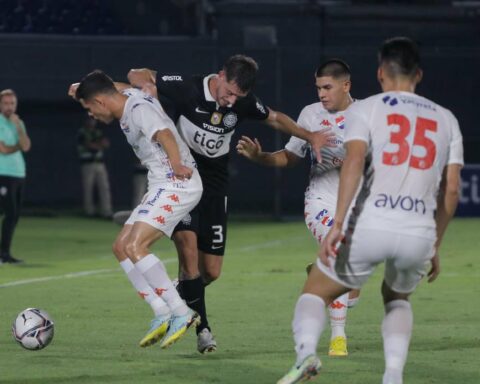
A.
x: 236, y: 79
x: 8, y: 102
x: 332, y: 80
x: 399, y: 61
x: 93, y: 92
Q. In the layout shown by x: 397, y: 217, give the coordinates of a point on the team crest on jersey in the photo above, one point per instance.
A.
x: 216, y: 118
x: 230, y: 119
x: 340, y: 122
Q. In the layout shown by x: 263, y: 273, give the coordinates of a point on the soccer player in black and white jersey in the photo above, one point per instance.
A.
x: 174, y: 188
x: 207, y: 110
x: 333, y: 83
x: 410, y: 152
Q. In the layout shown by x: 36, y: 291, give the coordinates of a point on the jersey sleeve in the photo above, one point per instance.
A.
x: 296, y: 145
x: 455, y: 154
x: 356, y: 123
x: 150, y: 119
x: 255, y: 109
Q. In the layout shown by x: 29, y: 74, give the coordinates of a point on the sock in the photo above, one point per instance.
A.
x: 144, y: 290
x: 308, y: 324
x: 156, y: 275
x: 193, y: 291
x: 396, y: 331
x: 338, y: 315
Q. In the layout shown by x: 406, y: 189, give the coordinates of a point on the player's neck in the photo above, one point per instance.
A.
x: 343, y: 106
x: 399, y: 85
x: 212, y: 86
x: 117, y: 105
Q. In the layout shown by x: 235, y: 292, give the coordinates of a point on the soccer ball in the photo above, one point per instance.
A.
x: 33, y: 329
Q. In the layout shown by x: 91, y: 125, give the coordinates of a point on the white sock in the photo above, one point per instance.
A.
x: 338, y: 315
x: 396, y: 331
x: 308, y: 324
x: 144, y: 290
x: 156, y: 275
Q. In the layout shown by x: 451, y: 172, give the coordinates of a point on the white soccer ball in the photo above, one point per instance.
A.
x: 33, y: 329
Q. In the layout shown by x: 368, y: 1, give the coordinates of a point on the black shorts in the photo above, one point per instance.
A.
x: 209, y: 221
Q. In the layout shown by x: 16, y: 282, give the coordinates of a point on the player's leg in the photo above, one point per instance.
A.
x: 11, y: 200
x: 104, y: 193
x: 212, y: 237
x: 159, y: 307
x: 319, y: 219
x: 402, y: 274
x: 138, y: 244
x: 88, y: 177
x: 309, y: 322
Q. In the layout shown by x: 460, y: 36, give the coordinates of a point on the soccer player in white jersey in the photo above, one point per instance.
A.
x: 332, y: 80
x: 410, y: 152
x: 174, y: 188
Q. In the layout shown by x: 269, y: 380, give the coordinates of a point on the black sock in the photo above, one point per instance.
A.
x: 193, y: 292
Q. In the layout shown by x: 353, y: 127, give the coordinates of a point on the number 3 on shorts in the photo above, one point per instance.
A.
x: 217, y: 233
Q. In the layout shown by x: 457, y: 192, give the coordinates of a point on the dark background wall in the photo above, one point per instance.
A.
x: 288, y: 41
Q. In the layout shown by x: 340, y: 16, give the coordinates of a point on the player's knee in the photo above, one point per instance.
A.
x: 211, y: 274
x: 134, y: 249
x: 118, y: 249
x: 390, y: 295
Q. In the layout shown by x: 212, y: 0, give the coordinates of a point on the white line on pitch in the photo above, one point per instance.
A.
x: 248, y: 248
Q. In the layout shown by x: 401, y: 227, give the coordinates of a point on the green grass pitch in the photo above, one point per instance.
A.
x: 99, y: 319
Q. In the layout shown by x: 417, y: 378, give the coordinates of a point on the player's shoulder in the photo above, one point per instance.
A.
x: 313, y: 110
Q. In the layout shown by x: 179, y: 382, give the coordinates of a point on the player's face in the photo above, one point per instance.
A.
x: 97, y: 109
x: 333, y: 93
x: 8, y: 105
x: 227, y: 92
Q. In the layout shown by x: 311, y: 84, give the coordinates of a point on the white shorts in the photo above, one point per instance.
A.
x: 164, y: 206
x: 406, y: 259
x: 319, y: 217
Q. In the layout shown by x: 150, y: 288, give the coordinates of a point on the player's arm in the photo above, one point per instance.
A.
x: 252, y: 150
x: 24, y: 144
x: 447, y: 200
x: 285, y: 124
x: 141, y: 76
x: 350, y: 176
x: 169, y: 144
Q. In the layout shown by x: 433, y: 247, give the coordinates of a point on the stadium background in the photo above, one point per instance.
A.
x: 46, y: 45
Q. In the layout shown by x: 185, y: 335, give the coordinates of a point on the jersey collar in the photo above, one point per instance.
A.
x: 206, y: 89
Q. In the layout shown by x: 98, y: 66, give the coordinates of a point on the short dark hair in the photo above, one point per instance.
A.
x: 335, y: 68
x: 400, y: 55
x: 243, y: 70
x: 94, y: 83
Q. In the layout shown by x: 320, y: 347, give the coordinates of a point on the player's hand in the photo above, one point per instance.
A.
x: 249, y: 148
x: 435, y: 268
x: 328, y: 248
x: 15, y: 119
x: 320, y: 139
x: 150, y: 89
x: 72, y: 90
x: 182, y: 172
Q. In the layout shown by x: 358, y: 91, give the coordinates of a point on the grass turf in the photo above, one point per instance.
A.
x: 69, y: 272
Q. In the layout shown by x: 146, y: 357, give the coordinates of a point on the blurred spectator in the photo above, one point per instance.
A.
x: 91, y: 145
x: 13, y: 141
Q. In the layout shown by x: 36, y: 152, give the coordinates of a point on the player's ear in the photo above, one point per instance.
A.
x: 418, y: 76
x: 347, y: 84
x: 380, y: 75
x: 222, y: 75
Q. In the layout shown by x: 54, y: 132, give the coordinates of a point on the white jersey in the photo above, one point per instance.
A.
x: 324, y: 176
x: 411, y: 140
x: 142, y: 117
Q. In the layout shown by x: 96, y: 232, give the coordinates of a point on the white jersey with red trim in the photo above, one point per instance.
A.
x: 142, y: 117
x: 411, y: 140
x: 324, y: 176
